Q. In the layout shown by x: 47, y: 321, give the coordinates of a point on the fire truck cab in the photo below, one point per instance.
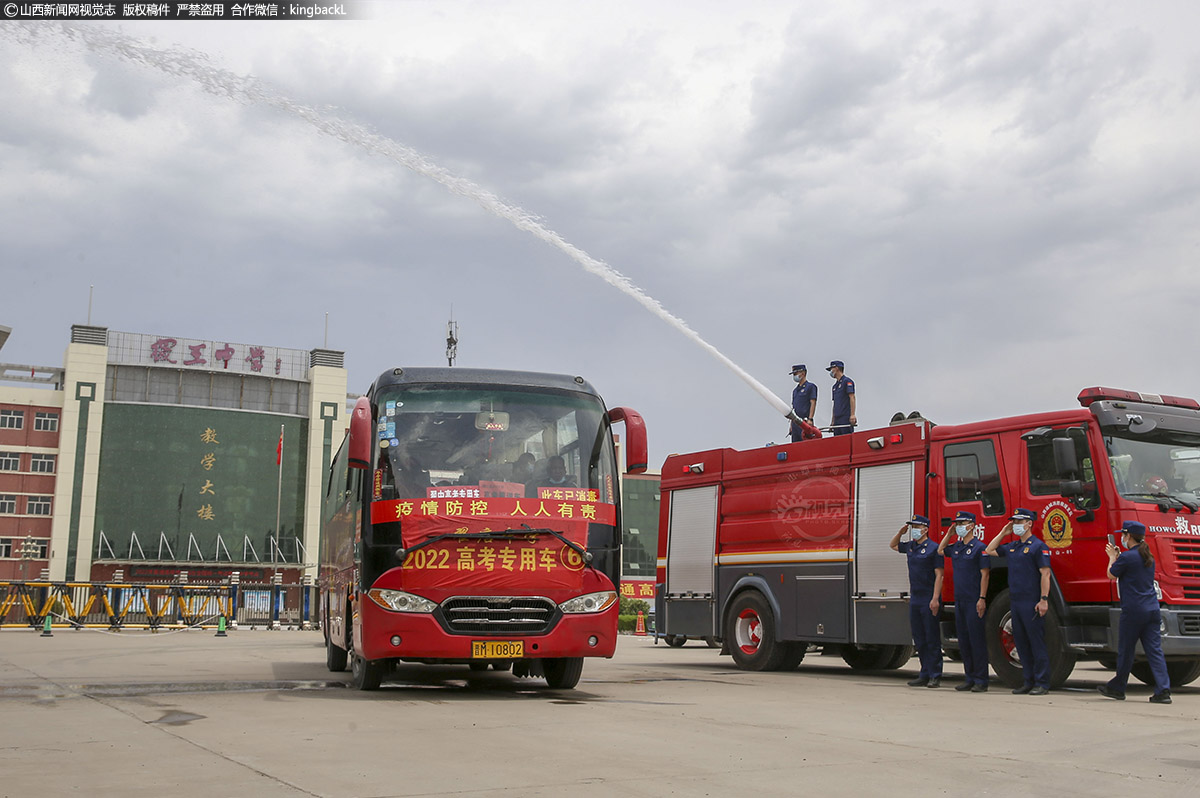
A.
x: 780, y: 548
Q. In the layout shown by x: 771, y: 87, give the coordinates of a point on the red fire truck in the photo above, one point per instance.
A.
x: 473, y: 517
x: 779, y: 548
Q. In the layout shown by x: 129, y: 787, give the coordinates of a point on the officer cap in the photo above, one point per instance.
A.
x: 1135, y: 528
x: 835, y: 364
x: 798, y: 367
x: 1022, y: 514
x: 963, y: 515
x: 919, y: 520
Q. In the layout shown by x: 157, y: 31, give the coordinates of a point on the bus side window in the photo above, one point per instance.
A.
x: 972, y: 474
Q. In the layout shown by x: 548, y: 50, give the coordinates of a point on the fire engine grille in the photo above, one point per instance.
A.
x: 1187, y: 557
x: 1191, y: 592
x: 1189, y: 624
x: 498, y: 615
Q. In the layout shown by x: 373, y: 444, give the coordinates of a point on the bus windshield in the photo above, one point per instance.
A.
x: 1161, y: 465
x: 456, y: 441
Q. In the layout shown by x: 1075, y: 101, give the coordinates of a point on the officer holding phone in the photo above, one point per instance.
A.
x: 971, y: 572
x: 1133, y: 571
x: 1029, y: 591
x: 925, y: 572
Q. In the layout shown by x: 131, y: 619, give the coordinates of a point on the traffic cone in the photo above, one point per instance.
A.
x: 220, y: 627
x: 46, y: 624
x: 641, y: 624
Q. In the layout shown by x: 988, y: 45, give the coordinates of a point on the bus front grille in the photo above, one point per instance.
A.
x: 498, y: 615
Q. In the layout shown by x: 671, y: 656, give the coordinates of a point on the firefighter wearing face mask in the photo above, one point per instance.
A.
x: 925, y: 571
x: 971, y: 569
x: 1029, y: 590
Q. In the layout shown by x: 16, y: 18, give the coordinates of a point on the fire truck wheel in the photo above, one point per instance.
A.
x: 751, y: 629
x: 1181, y: 672
x: 563, y: 673
x: 868, y: 657
x: 675, y: 641
x: 1002, y: 649
x: 793, y: 655
x: 900, y: 657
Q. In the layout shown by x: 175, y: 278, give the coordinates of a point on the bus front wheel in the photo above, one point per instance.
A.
x: 563, y: 673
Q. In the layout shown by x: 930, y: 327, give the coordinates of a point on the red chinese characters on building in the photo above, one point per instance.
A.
x: 255, y: 358
x: 197, y: 355
x: 160, y: 350
x: 224, y: 354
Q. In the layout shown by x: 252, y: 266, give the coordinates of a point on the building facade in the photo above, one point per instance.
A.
x: 156, y: 455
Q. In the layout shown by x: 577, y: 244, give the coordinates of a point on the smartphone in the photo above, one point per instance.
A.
x: 1111, y: 540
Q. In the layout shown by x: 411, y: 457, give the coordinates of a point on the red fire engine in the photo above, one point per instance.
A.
x: 472, y: 517
x: 779, y: 548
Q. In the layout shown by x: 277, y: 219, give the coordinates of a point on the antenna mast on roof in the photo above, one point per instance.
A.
x: 451, y: 338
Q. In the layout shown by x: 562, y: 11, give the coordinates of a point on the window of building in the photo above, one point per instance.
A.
x: 6, y: 548
x: 8, y: 504
x: 38, y: 505
x: 43, y: 463
x: 10, y: 461
x: 972, y: 475
x: 12, y: 419
x: 19, y: 548
x: 45, y: 422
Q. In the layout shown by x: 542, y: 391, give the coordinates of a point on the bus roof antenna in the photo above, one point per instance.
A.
x: 451, y: 338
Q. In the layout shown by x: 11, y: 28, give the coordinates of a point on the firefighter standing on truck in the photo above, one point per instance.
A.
x: 1029, y: 591
x: 971, y: 573
x: 845, y: 404
x: 804, y: 400
x: 925, y: 572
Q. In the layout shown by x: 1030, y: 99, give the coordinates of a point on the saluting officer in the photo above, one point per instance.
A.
x: 1133, y: 571
x: 972, y: 569
x: 925, y: 571
x: 1029, y: 590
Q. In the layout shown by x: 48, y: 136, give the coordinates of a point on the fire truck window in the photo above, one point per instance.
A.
x: 1044, y: 479
x: 972, y: 475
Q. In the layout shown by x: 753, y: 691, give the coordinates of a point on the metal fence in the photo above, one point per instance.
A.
x: 123, y: 605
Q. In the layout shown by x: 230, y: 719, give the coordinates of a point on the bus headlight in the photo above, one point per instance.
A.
x: 399, y: 601
x: 589, y: 602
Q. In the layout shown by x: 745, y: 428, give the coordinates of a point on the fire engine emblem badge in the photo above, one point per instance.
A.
x: 1058, y: 526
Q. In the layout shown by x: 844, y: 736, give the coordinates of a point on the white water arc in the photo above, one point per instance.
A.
x: 194, y: 67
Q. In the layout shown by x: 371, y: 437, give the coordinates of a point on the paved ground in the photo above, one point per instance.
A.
x: 257, y: 714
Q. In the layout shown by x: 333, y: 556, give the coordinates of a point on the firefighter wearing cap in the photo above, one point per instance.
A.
x: 844, y: 403
x: 804, y: 400
x: 1133, y: 571
x: 925, y: 571
x: 1029, y: 591
x: 971, y: 572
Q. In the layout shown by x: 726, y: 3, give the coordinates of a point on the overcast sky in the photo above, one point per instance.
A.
x: 981, y: 207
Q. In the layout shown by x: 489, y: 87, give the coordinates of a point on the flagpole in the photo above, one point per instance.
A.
x: 278, y: 496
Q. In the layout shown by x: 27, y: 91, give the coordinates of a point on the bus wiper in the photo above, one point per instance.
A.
x: 503, y: 534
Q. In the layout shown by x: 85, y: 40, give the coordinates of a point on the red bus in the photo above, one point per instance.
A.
x: 473, y: 516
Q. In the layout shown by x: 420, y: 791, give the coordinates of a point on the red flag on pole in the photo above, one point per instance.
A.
x: 279, y: 449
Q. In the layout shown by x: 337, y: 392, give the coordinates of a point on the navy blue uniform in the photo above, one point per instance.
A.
x: 1025, y: 590
x: 923, y: 564
x: 1140, y: 620
x: 969, y: 561
x: 802, y: 398
x: 842, y: 388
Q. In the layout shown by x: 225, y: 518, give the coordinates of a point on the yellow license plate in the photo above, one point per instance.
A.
x: 497, y: 649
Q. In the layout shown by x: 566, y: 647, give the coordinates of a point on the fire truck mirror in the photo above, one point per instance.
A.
x: 1070, y: 487
x: 1064, y: 458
